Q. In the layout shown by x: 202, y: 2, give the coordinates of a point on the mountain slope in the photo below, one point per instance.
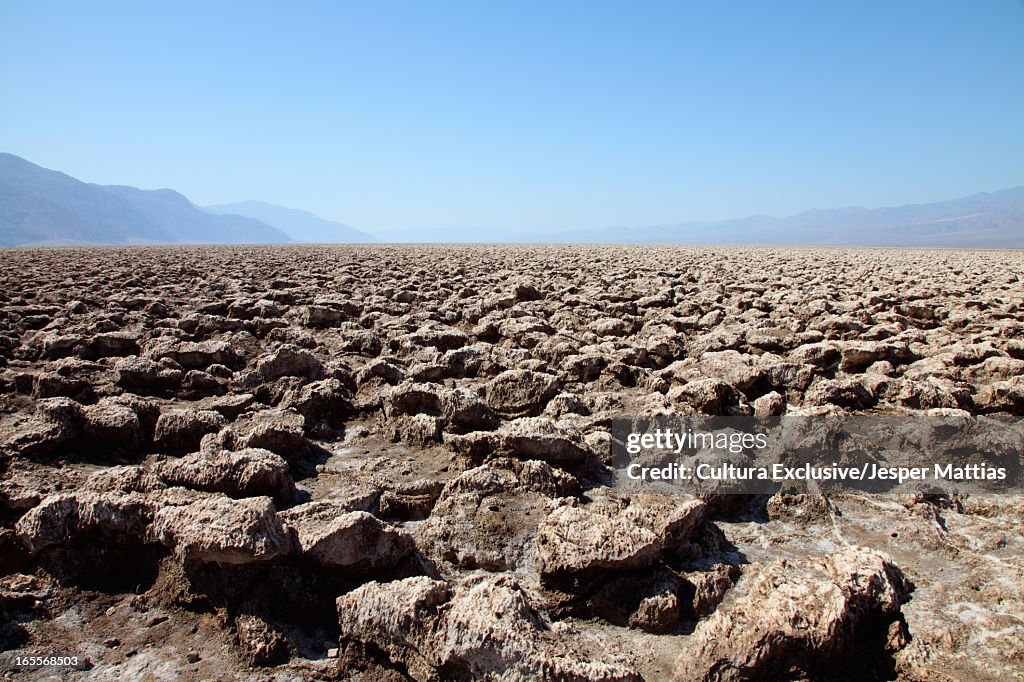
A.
x: 181, y: 221
x: 303, y: 226
x: 39, y: 206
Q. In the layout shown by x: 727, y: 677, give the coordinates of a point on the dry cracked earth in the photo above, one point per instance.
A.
x: 390, y: 463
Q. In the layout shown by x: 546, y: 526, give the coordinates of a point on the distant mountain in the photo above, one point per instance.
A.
x: 987, y: 220
x: 39, y: 206
x: 303, y: 226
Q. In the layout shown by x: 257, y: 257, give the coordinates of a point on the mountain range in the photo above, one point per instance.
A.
x: 302, y: 226
x: 988, y: 220
x: 42, y: 207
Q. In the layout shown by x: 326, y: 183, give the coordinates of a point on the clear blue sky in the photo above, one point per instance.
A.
x: 522, y: 115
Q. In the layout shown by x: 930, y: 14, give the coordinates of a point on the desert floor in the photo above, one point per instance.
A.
x: 390, y: 462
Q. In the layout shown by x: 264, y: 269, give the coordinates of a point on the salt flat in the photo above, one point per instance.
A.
x: 388, y: 462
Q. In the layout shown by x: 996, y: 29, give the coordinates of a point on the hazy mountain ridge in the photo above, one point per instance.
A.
x: 185, y: 222
x: 986, y: 220
x: 993, y: 220
x: 302, y: 226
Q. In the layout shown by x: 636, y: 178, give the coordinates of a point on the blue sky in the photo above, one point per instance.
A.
x: 524, y: 115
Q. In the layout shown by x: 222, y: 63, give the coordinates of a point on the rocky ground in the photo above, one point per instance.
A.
x: 389, y: 463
